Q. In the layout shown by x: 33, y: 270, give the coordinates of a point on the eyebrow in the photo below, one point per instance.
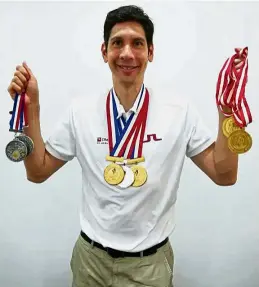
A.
x: 115, y: 38
x: 121, y: 37
x: 140, y: 39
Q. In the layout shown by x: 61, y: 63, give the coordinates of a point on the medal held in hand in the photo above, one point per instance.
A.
x: 126, y: 143
x: 22, y: 145
x: 230, y: 93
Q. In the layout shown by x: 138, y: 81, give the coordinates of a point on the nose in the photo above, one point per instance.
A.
x: 126, y: 53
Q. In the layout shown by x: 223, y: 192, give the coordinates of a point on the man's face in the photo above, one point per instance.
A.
x: 127, y: 53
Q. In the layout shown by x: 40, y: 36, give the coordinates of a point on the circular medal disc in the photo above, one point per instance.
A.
x: 140, y: 175
x: 239, y: 142
x: 114, y: 174
x: 27, y: 140
x: 128, y: 178
x: 229, y: 126
x: 16, y: 150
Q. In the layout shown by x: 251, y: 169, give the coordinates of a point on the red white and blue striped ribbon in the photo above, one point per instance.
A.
x: 19, y: 117
x: 126, y: 136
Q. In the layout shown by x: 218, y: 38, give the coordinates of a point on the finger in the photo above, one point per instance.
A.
x: 14, y: 89
x: 239, y: 65
x: 237, y: 50
x: 242, y: 51
x: 17, y: 81
x: 22, y: 70
x: 21, y: 77
x: 237, y: 61
x: 27, y: 68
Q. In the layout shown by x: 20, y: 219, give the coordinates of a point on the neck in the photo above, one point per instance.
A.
x: 127, y: 93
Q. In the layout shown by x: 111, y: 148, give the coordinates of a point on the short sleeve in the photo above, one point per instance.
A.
x: 199, y: 135
x: 61, y: 143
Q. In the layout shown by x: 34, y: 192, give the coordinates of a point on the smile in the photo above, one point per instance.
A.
x: 127, y: 68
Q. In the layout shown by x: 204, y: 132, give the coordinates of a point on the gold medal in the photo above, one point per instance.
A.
x: 114, y: 174
x: 229, y: 126
x: 140, y: 175
x: 240, y: 142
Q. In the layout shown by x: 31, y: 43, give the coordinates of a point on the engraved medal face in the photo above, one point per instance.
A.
x: 140, y: 174
x: 240, y: 142
x: 16, y: 150
x: 229, y: 126
x: 114, y: 174
x: 27, y: 140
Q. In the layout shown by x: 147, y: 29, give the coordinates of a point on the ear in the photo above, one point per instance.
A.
x: 151, y: 53
x: 104, y: 52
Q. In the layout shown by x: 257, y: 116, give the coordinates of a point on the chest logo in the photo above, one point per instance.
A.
x: 149, y: 138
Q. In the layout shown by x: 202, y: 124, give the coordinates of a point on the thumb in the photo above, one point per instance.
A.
x: 28, y: 69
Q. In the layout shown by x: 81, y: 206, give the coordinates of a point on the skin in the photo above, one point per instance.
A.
x: 127, y: 47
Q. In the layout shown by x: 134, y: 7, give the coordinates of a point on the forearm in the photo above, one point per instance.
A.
x: 34, y: 163
x: 225, y: 160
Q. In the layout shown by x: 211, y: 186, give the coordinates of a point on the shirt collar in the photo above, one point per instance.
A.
x: 133, y: 109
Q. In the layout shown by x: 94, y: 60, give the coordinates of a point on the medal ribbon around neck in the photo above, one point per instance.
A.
x: 19, y: 114
x: 126, y: 136
x: 230, y: 90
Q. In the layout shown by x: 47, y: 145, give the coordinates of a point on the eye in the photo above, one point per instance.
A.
x: 116, y: 42
x: 138, y: 43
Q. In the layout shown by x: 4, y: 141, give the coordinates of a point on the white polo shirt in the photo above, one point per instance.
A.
x: 131, y: 219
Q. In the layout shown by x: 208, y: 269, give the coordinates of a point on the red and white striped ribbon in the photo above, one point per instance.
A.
x: 230, y: 90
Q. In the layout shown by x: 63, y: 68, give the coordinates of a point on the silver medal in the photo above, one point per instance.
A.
x: 16, y: 150
x: 27, y: 140
x: 128, y: 178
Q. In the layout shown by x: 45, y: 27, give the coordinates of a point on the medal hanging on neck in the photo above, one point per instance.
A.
x: 126, y: 143
x: 22, y: 145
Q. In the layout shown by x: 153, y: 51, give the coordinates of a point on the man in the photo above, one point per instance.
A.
x: 129, y: 183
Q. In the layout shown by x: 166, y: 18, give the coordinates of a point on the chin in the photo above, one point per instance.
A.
x: 128, y: 80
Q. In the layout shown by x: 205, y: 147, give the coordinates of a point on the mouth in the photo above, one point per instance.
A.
x: 127, y: 68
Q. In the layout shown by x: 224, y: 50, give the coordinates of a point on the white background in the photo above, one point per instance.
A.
x: 216, y: 242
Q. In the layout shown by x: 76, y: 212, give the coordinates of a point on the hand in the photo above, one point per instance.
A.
x: 24, y: 81
x: 239, y: 61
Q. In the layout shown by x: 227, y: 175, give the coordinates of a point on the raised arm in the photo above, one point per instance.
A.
x: 40, y: 164
x: 217, y: 161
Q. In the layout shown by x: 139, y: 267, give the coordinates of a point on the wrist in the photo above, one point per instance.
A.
x: 224, y: 109
x: 33, y: 112
x: 35, y: 106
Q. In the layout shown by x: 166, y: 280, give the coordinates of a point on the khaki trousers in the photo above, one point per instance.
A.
x: 93, y: 267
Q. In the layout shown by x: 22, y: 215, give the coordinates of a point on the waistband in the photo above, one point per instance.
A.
x: 117, y: 253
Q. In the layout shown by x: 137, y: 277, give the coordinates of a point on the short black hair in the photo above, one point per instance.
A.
x: 128, y: 13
